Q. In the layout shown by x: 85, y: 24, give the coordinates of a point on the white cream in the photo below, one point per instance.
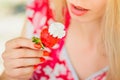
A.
x: 56, y: 29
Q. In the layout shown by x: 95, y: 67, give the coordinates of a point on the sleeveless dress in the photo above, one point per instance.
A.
x: 58, y: 66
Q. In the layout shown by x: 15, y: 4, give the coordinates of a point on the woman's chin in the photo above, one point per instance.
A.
x: 84, y: 19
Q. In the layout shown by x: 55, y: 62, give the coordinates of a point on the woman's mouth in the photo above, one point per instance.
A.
x: 77, y: 10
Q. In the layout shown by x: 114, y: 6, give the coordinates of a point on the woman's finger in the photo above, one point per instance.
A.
x: 19, y: 43
x: 22, y: 53
x: 25, y: 62
x: 20, y: 73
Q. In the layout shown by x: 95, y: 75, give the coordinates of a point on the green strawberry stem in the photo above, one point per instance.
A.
x: 38, y: 41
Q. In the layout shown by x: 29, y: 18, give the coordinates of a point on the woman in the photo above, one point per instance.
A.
x: 90, y: 50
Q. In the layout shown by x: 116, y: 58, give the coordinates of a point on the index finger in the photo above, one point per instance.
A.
x: 20, y: 43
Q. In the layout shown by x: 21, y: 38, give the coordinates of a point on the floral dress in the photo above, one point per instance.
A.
x: 58, y: 66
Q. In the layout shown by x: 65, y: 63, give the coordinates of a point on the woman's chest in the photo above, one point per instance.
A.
x: 85, y: 60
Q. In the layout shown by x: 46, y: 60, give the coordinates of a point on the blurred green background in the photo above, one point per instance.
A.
x: 12, y: 16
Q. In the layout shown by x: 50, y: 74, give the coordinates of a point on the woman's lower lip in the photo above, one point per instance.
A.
x: 78, y: 12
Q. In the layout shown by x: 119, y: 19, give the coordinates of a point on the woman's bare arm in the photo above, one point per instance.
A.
x: 24, y: 29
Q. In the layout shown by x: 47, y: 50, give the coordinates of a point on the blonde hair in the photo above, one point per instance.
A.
x: 59, y: 5
x: 111, y: 34
x: 112, y: 38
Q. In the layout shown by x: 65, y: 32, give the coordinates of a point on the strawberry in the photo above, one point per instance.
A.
x: 47, y: 39
x: 50, y: 36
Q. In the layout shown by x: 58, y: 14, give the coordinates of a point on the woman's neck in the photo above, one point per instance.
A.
x: 89, y: 32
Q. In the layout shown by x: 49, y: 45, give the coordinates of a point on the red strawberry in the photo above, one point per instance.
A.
x: 51, y: 35
x: 47, y: 39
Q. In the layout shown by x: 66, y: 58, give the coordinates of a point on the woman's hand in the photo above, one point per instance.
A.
x: 19, y: 57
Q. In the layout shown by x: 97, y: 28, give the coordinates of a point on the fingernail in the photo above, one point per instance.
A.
x: 35, y: 66
x: 38, y: 46
x: 42, y: 59
x: 46, y: 53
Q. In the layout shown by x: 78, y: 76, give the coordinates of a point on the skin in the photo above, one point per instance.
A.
x: 80, y: 48
x: 19, y: 58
